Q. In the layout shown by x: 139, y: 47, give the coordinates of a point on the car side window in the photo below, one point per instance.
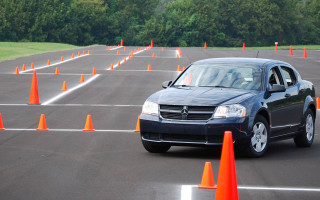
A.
x: 275, y: 77
x: 289, y: 76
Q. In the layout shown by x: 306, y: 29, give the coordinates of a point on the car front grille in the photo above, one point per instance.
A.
x: 179, y: 112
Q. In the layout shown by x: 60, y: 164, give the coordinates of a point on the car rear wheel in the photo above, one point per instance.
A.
x: 154, y: 147
x: 259, y: 141
x: 305, y: 139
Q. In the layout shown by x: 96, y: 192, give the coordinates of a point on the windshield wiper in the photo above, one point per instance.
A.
x: 217, y: 86
x: 182, y: 86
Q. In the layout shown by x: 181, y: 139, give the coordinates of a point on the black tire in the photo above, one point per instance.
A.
x: 154, y: 147
x: 252, y: 149
x: 304, y: 139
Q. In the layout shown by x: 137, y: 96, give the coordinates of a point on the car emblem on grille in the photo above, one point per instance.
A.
x: 184, y: 112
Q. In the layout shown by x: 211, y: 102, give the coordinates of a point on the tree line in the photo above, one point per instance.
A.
x: 168, y: 22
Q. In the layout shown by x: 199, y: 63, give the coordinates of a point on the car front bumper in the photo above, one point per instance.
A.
x: 193, y: 132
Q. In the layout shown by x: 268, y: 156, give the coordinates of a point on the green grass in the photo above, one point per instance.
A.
x: 12, y: 50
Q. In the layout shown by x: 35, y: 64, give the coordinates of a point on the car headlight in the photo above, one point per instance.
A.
x: 150, y: 108
x: 227, y: 111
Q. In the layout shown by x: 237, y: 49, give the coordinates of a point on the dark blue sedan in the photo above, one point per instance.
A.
x: 259, y: 100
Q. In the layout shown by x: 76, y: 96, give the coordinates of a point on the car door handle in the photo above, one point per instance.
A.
x: 287, y: 95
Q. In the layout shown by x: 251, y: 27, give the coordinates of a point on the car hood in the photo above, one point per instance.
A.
x: 201, y: 96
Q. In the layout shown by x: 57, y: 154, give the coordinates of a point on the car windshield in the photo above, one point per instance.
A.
x: 238, y: 76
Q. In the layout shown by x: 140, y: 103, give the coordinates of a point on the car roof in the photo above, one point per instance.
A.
x: 238, y: 60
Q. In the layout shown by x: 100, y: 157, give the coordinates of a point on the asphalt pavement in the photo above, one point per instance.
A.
x: 111, y: 163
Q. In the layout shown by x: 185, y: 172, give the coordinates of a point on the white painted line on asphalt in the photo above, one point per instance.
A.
x: 69, y: 130
x: 127, y: 58
x: 115, y: 48
x: 11, y: 104
x: 148, y: 71
x: 60, y: 74
x: 186, y: 192
x: 58, y: 63
x: 70, y: 90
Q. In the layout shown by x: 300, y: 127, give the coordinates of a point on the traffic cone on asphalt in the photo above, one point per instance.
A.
x: 276, y: 47
x: 34, y: 95
x: 205, y: 45
x: 179, y: 68
x: 61, y: 58
x: 84, y: 52
x: 93, y: 71
x: 17, y: 70
x: 1, y: 123
x: 88, y: 126
x: 42, y: 123
x: 151, y: 44
x: 291, y: 52
x: 162, y: 49
x: 121, y: 42
x: 111, y: 67
x: 183, y: 68
x: 138, y: 125
x: 32, y: 66
x: 178, y: 56
x: 81, y: 78
x: 244, y: 46
x: 118, y: 52
x: 149, y: 68
x: 48, y: 63
x: 207, y: 181
x: 153, y: 55
x: 64, y: 86
x: 23, y: 67
x: 124, y: 48
x: 135, y: 50
x: 78, y: 53
x: 72, y: 56
x: 57, y: 71
x: 119, y: 64
x: 305, y: 52
x: 124, y: 60
x: 89, y: 52
x: 318, y: 103
x: 227, y: 180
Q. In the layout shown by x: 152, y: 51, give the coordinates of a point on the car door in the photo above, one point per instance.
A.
x: 294, y: 99
x: 277, y: 103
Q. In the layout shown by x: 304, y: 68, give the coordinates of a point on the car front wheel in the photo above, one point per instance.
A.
x: 260, y: 138
x: 154, y: 147
x: 305, y: 139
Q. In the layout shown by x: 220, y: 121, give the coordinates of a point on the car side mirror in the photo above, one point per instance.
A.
x: 277, y: 88
x: 166, y: 84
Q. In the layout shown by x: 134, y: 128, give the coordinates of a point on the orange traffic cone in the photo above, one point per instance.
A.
x: 89, y: 125
x: 1, y: 123
x: 89, y: 52
x: 34, y: 95
x: 183, y: 68
x: 81, y: 78
x: 178, y: 56
x: 119, y: 64
x: 179, y: 68
x: 151, y: 44
x: 93, y: 71
x: 276, y: 47
x: 115, y: 46
x: 207, y: 181
x: 305, y: 52
x: 124, y: 48
x: 57, y: 71
x: 64, y: 86
x: 32, y: 66
x: 162, y: 49
x: 227, y: 180
x: 244, y: 46
x: 149, y: 68
x: 42, y: 123
x: 135, y: 50
x: 153, y: 55
x: 72, y: 56
x: 17, y: 70
x: 61, y: 58
x: 48, y: 63
x: 124, y: 60
x: 23, y: 67
x: 111, y: 67
x: 205, y: 45
x: 138, y: 125
x: 291, y: 52
x: 78, y: 53
x: 318, y: 103
x: 84, y: 52
x: 118, y: 52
